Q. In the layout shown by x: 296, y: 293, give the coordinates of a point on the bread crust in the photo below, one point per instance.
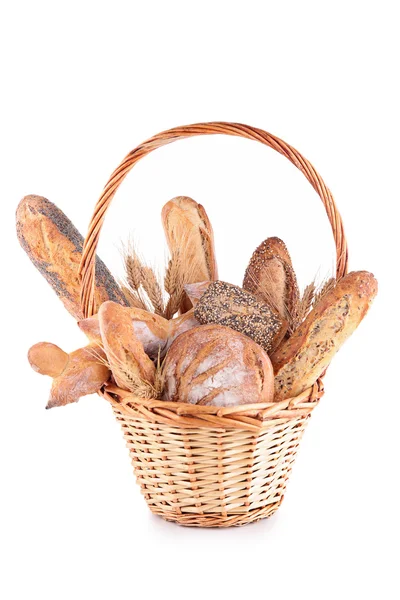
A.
x: 226, y: 304
x: 54, y: 246
x: 300, y: 360
x: 271, y: 278
x: 47, y: 359
x: 188, y: 228
x: 154, y: 332
x: 123, y: 349
x: 215, y: 365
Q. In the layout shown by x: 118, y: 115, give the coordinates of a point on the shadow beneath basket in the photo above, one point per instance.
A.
x: 257, y: 529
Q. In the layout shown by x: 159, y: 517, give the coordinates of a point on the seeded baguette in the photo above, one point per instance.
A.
x: 188, y: 230
x: 271, y: 278
x: 54, y: 246
x: 300, y: 360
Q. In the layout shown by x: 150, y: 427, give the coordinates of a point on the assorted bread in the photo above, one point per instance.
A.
x: 189, y: 337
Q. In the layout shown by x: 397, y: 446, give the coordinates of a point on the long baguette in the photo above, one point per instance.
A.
x: 300, y: 360
x: 54, y: 246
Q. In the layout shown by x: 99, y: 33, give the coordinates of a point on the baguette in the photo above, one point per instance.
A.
x: 74, y: 375
x: 189, y: 233
x: 215, y: 365
x: 271, y: 278
x: 54, y: 246
x: 300, y: 360
x: 229, y: 305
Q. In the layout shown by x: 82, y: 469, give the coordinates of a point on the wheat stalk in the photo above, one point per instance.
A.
x: 132, y: 297
x: 145, y: 289
x: 128, y: 379
x: 323, y: 289
x: 305, y: 304
x: 153, y: 290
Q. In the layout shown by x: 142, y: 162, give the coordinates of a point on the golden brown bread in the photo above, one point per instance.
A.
x: 214, y: 365
x: 128, y: 361
x: 154, y: 332
x: 271, y: 278
x: 74, y: 375
x: 47, y: 359
x: 54, y: 246
x: 188, y: 231
x: 300, y: 360
x: 226, y: 304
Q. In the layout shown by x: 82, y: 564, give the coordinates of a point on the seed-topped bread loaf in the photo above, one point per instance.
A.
x: 300, y: 360
x: 271, y: 278
x: 54, y: 246
x: 226, y: 304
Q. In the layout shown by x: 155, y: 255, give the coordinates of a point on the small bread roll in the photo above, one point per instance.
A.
x: 84, y: 374
x: 214, y: 365
x: 271, y: 278
x: 227, y: 304
x: 189, y: 234
x: 300, y: 360
x: 47, y: 359
x: 128, y: 361
x: 74, y: 375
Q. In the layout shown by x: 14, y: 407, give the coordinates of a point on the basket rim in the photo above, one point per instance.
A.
x: 245, y: 416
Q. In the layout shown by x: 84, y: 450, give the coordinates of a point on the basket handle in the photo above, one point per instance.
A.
x: 87, y: 266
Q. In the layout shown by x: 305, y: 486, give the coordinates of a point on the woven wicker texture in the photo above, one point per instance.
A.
x: 211, y: 477
x: 207, y: 466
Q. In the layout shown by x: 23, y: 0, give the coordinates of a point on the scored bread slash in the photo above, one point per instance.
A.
x: 226, y: 304
x: 215, y: 365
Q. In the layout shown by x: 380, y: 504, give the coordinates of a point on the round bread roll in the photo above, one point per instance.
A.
x: 215, y: 365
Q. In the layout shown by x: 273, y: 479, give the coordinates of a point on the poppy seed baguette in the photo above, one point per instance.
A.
x: 300, y: 360
x: 54, y: 246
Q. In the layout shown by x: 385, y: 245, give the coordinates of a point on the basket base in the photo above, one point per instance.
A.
x: 218, y: 520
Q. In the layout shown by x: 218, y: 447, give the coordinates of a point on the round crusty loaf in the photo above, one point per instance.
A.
x: 214, y: 365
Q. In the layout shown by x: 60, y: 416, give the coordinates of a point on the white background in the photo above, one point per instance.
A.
x: 82, y: 84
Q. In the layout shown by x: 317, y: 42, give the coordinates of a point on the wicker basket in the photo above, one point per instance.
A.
x: 207, y: 466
